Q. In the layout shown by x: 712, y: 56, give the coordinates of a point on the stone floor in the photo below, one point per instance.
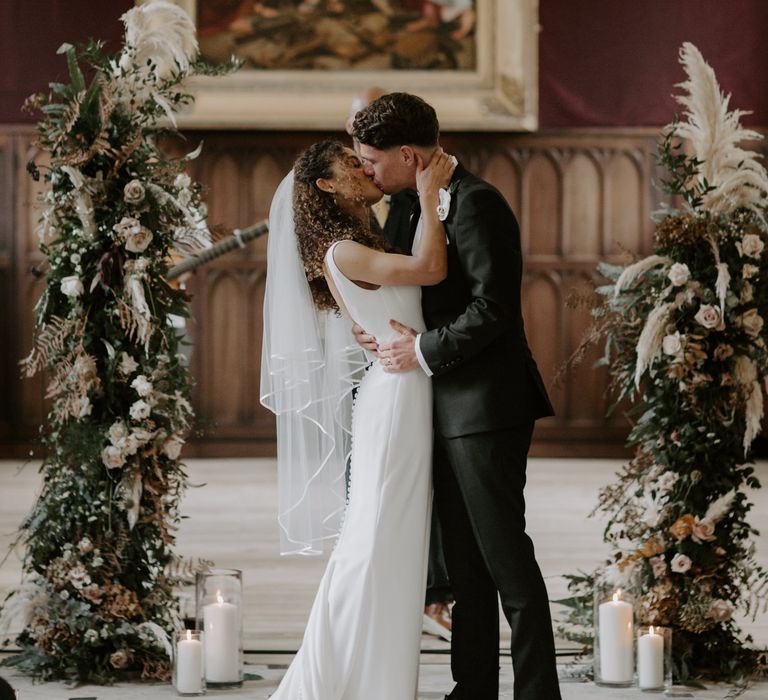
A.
x: 232, y: 521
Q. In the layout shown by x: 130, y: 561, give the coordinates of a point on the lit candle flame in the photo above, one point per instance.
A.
x: 219, y: 598
x: 617, y: 596
x: 651, y: 631
x: 189, y: 635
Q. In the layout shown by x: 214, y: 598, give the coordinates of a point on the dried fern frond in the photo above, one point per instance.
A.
x: 49, y: 342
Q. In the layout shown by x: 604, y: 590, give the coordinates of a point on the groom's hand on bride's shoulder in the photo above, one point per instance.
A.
x: 365, y: 340
x: 400, y: 354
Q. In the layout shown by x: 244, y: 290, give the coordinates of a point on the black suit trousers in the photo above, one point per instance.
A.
x: 479, y: 482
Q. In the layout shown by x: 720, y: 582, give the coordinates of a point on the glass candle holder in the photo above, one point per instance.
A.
x: 220, y: 616
x: 614, y: 623
x: 654, y: 658
x: 188, y: 663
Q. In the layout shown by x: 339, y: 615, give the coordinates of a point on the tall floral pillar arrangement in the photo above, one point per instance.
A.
x: 686, y: 345
x: 96, y: 599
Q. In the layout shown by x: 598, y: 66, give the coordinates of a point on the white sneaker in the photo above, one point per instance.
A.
x: 437, y: 621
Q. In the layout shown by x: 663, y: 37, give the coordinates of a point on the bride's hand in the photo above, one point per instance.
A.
x: 437, y: 174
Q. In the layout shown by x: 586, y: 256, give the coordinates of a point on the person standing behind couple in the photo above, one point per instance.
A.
x: 487, y: 394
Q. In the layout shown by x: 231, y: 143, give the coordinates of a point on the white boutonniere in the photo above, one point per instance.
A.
x: 444, y: 203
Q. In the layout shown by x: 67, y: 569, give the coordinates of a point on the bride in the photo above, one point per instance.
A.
x: 363, y: 635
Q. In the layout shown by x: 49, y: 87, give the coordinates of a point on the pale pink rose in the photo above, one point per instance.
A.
x: 119, y: 659
x: 747, y: 293
x: 721, y: 610
x: 138, y: 242
x: 752, y: 322
x: 749, y: 271
x: 172, y: 447
x: 133, y: 192
x: 127, y: 227
x: 751, y: 246
x: 703, y: 531
x: 710, y: 317
x: 681, y: 563
x: 659, y: 566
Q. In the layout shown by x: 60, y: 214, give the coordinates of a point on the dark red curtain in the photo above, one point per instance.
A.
x: 31, y: 32
x: 614, y: 62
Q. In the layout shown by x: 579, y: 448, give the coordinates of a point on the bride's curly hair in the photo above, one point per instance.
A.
x: 320, y: 221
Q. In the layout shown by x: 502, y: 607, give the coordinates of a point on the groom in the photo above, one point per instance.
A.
x: 487, y: 395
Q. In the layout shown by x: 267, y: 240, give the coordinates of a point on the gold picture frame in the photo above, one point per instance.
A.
x: 499, y: 94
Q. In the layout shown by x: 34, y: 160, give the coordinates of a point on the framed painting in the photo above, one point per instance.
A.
x: 475, y: 61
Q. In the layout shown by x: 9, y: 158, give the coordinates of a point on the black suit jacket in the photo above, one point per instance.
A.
x: 485, y: 377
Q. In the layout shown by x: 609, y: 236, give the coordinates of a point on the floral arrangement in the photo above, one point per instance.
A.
x: 96, y: 598
x: 685, y: 343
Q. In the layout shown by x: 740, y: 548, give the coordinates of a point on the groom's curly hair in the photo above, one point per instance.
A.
x: 319, y: 221
x: 396, y: 119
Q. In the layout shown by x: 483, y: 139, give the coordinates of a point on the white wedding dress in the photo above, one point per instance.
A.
x: 364, y: 631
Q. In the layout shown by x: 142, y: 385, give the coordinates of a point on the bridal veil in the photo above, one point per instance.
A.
x: 310, y: 364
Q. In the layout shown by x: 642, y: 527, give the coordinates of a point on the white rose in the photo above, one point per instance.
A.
x: 142, y: 385
x: 82, y: 407
x: 679, y: 274
x: 85, y: 545
x: 172, y: 447
x: 672, y: 344
x: 681, y: 563
x: 710, y: 317
x: 182, y: 181
x: 127, y: 364
x: 137, y: 242
x: 752, y: 322
x: 667, y: 482
x: 751, y: 246
x: 112, y: 457
x: 133, y: 193
x: 140, y: 409
x: 71, y: 286
x: 79, y: 577
x: 117, y: 431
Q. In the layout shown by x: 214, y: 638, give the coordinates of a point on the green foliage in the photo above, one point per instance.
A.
x: 97, y: 598
x: 686, y: 346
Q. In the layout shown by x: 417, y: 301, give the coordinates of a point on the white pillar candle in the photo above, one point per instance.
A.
x: 650, y: 660
x: 189, y: 665
x: 222, y: 642
x: 616, y: 657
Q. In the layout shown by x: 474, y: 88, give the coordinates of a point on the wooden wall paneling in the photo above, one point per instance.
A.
x: 31, y: 406
x: 580, y: 197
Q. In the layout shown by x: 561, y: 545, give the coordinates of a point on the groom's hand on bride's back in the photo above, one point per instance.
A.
x: 365, y: 340
x: 399, y: 355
